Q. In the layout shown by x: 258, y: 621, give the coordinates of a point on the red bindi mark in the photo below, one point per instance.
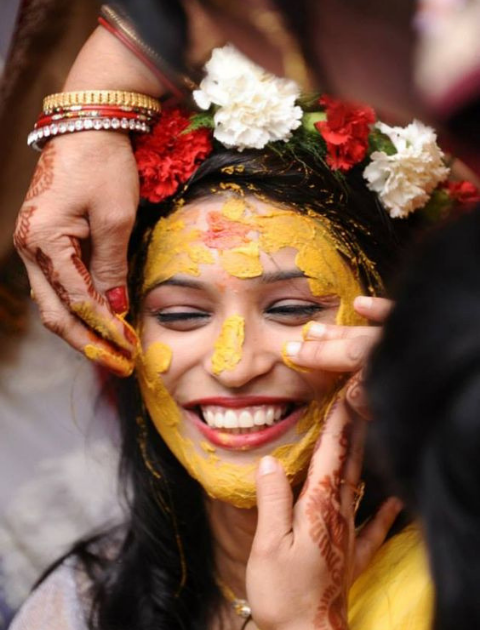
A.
x: 223, y: 233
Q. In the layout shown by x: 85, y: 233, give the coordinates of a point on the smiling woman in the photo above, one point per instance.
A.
x: 262, y: 224
x: 225, y: 302
x: 225, y: 277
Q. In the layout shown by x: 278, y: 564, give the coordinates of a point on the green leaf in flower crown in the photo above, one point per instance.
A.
x: 202, y: 120
x: 378, y: 141
x: 309, y: 101
x: 438, y: 206
x: 310, y: 118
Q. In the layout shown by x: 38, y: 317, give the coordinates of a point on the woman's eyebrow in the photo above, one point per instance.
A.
x: 278, y: 276
x: 178, y: 281
x: 190, y: 283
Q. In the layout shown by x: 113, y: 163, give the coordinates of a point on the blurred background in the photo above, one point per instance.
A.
x: 58, y: 451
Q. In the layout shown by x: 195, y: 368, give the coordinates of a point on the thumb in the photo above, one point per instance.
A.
x: 274, y: 504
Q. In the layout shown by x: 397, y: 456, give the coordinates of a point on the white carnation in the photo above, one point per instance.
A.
x: 404, y: 181
x: 253, y: 107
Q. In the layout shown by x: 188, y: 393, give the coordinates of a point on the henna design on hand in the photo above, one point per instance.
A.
x: 331, y: 612
x: 83, y: 271
x: 76, y: 246
x: 46, y: 265
x: 328, y: 528
x: 43, y: 176
x: 329, y: 531
x: 316, y: 447
x: 22, y: 227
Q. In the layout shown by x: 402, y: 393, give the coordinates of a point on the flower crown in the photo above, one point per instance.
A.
x: 244, y: 107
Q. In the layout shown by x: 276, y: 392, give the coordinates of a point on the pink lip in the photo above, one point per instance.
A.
x: 236, y: 402
x: 247, y: 441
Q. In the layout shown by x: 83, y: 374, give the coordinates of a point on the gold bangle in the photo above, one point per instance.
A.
x: 117, y: 98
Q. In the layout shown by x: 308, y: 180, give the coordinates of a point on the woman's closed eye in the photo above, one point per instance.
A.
x: 285, y: 312
x: 182, y: 317
x: 293, y: 312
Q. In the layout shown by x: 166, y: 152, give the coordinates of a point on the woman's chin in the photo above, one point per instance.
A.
x: 233, y: 456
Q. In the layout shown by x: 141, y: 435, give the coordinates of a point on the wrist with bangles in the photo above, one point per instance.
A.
x: 94, y: 110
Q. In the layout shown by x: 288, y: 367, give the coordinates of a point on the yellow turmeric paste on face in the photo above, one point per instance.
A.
x: 228, y: 347
x: 233, y: 483
x: 242, y: 262
x: 234, y: 208
x: 177, y: 247
x: 160, y: 356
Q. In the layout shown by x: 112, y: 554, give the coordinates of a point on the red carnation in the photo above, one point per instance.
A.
x: 463, y: 192
x: 166, y: 157
x: 345, y: 132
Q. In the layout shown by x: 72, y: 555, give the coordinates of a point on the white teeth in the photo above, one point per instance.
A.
x: 270, y: 416
x: 230, y: 420
x: 245, y: 420
x: 259, y: 418
x: 210, y: 418
x: 238, y: 419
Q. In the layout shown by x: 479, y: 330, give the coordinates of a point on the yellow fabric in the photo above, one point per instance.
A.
x: 395, y: 592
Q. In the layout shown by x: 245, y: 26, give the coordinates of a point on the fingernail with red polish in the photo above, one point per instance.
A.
x: 118, y: 300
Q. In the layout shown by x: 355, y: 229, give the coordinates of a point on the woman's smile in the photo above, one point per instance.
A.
x: 244, y: 423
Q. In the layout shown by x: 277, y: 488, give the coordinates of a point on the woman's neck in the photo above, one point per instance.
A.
x: 233, y: 530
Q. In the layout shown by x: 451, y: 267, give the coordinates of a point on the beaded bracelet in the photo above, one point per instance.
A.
x: 93, y: 110
x: 38, y: 137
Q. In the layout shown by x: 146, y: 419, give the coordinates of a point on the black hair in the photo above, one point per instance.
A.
x: 424, y: 388
x: 162, y: 574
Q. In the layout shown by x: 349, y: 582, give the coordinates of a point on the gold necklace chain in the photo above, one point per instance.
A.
x: 240, y: 606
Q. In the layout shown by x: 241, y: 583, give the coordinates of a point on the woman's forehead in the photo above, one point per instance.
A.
x: 244, y: 237
x: 231, y: 205
x: 235, y: 225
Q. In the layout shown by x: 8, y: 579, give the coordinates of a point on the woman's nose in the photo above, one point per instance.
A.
x: 239, y: 354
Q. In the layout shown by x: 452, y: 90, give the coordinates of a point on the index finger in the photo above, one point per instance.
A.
x: 60, y: 261
x: 320, y: 497
x: 375, y: 309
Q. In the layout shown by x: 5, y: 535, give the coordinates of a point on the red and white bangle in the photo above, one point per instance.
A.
x: 64, y: 117
x: 76, y: 113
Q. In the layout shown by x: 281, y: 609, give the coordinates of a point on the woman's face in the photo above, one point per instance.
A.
x: 228, y: 282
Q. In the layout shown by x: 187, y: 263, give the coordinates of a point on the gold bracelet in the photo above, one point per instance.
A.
x: 117, y: 98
